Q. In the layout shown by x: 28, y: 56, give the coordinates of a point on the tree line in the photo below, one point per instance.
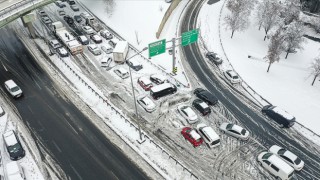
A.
x: 280, y: 21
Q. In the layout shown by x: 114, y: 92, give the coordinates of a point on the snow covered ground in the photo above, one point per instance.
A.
x: 139, y: 29
x: 10, y: 121
x: 288, y: 84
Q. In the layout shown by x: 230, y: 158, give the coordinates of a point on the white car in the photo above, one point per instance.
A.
x: 88, y: 30
x: 14, y: 171
x: 13, y: 88
x: 106, y: 34
x: 147, y: 104
x: 62, y: 52
x: 85, y: 15
x: 121, y: 72
x: 158, y: 78
x: 96, y: 38
x: 275, y: 165
x: 94, y: 49
x: 235, y: 130
x: 188, y: 114
x: 288, y: 157
x: 232, y: 76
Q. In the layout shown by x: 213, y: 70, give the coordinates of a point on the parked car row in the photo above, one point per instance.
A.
x: 280, y: 162
x: 209, y: 136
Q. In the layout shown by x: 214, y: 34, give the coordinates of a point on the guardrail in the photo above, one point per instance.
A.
x: 249, y: 88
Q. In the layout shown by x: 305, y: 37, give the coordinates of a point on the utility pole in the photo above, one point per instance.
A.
x: 174, y: 69
x: 141, y: 138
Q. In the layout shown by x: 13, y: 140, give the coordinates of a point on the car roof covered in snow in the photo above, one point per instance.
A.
x: 237, y: 128
x: 189, y: 111
x: 145, y: 80
x: 122, y: 70
x: 232, y: 73
x: 63, y: 50
x: 274, y: 159
x: 10, y: 138
x: 283, y: 113
x: 158, y: 76
x: 195, y: 135
x: 83, y: 38
x: 203, y: 105
x: 10, y: 83
x: 161, y: 87
x: 147, y: 100
x: 135, y: 62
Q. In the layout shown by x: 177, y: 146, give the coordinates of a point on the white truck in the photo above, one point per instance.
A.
x: 71, y: 43
x: 120, y: 52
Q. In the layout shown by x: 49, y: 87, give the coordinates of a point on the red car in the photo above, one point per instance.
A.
x: 192, y: 136
x: 145, y: 83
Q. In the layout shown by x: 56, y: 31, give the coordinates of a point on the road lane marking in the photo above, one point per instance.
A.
x: 56, y: 145
x: 4, y: 67
x: 76, y: 172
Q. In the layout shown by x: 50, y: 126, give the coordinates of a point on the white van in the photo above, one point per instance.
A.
x: 13, y: 88
x: 14, y: 171
x: 211, y: 138
x: 275, y: 165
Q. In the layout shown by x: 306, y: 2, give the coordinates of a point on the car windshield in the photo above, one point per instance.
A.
x: 281, y: 151
x: 215, y: 142
x: 14, y: 89
x: 266, y: 156
x: 14, y: 148
x: 297, y: 161
x: 229, y: 126
x: 235, y: 77
x: 243, y: 132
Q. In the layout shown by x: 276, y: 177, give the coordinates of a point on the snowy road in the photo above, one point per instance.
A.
x: 59, y: 128
x: 263, y: 131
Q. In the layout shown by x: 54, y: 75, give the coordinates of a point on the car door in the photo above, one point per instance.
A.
x: 234, y: 133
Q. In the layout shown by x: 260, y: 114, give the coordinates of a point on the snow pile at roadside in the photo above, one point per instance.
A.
x: 27, y: 163
x: 288, y: 84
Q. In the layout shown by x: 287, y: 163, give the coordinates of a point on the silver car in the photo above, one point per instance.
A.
x: 147, y: 104
x: 235, y: 131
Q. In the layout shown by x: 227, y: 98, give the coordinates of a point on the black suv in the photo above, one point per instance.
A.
x: 206, y: 96
x: 77, y: 18
x: 213, y: 57
x: 13, y: 145
x: 68, y: 19
x: 201, y: 106
x: 283, y: 118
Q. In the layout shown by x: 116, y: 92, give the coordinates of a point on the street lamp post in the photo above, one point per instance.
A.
x: 141, y: 139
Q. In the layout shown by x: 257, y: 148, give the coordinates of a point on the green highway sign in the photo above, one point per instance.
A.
x: 189, y: 37
x: 157, y: 47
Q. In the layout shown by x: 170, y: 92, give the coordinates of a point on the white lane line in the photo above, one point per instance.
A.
x: 4, y: 67
x: 56, y: 145
x: 71, y: 126
x: 80, y: 178
x: 30, y: 109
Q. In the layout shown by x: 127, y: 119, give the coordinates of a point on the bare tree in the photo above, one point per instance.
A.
x: 268, y: 15
x: 290, y: 10
x: 315, y: 69
x: 294, y: 37
x: 240, y: 10
x: 275, y: 47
